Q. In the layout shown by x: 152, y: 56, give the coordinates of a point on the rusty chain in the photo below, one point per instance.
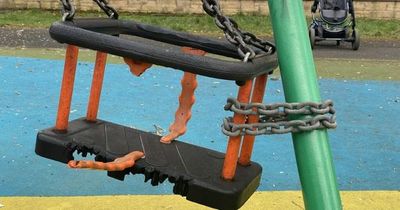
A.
x: 68, y: 10
x: 242, y: 39
x: 275, y: 118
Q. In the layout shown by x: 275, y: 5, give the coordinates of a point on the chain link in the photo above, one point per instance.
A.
x: 68, y: 9
x: 242, y: 39
x: 274, y: 118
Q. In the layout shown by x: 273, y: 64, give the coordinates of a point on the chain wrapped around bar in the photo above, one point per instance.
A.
x: 68, y: 9
x: 275, y: 118
x: 242, y: 39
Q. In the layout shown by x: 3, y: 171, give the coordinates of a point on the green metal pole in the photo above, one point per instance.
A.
x: 313, y: 155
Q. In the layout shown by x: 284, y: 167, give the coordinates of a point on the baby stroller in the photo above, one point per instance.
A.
x: 333, y: 23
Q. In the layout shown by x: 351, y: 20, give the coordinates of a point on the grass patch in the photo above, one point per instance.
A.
x: 359, y: 69
x: 379, y: 29
x: 344, y: 69
x: 199, y: 24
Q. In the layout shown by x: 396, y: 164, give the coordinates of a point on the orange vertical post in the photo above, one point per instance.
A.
x: 232, y: 151
x: 248, y: 140
x: 97, y: 84
x: 67, y: 86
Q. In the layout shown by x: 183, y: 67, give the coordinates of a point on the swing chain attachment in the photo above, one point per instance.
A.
x: 275, y: 118
x: 110, y: 11
x: 68, y: 9
x: 234, y: 35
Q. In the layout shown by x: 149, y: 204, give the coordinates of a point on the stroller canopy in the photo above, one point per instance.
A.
x: 333, y: 4
x: 334, y: 11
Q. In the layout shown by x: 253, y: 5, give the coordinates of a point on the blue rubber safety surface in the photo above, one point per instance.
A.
x: 365, y: 146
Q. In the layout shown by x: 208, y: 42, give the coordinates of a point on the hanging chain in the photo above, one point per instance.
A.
x: 68, y: 9
x: 274, y: 118
x: 242, y: 39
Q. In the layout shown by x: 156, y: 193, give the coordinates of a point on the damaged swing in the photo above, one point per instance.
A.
x: 211, y: 178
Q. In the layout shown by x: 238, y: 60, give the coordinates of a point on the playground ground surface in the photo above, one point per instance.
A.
x: 366, y: 151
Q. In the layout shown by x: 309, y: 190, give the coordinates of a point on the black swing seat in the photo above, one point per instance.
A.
x: 103, y: 35
x: 194, y: 171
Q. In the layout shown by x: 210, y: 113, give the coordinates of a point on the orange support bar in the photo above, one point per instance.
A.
x: 186, y: 101
x: 97, y: 84
x: 232, y: 151
x: 67, y: 86
x: 248, y: 140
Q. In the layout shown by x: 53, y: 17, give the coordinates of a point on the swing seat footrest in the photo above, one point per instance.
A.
x: 194, y: 171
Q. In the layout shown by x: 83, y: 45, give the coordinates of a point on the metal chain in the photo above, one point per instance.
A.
x: 274, y: 118
x: 68, y: 9
x: 242, y: 39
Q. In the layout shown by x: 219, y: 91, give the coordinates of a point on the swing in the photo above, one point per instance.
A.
x: 194, y: 171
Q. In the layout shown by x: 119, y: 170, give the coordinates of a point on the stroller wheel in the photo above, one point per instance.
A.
x: 311, y: 33
x: 355, y: 44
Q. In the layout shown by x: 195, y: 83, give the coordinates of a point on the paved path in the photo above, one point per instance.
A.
x: 379, y: 50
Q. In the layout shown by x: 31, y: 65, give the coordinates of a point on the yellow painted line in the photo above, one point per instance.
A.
x: 357, y: 200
